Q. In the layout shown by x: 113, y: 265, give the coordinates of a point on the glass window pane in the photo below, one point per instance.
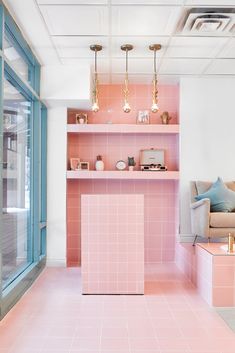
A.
x: 15, y: 58
x: 16, y: 250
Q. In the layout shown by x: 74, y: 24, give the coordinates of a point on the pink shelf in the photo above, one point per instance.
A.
x: 115, y: 174
x: 124, y: 128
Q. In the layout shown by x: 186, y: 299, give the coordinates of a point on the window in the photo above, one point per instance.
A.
x: 15, y: 59
x: 16, y: 218
x: 19, y: 55
x: 23, y: 147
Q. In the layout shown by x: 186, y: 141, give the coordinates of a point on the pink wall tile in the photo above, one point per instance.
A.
x: 160, y: 196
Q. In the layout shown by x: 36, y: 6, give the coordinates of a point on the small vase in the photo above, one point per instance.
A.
x: 99, y: 164
x: 131, y: 168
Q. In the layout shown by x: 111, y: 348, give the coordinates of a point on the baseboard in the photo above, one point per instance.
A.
x: 56, y: 263
x: 189, y: 238
x: 186, y: 238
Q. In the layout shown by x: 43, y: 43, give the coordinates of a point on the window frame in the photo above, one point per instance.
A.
x: 16, y: 39
x: 38, y: 145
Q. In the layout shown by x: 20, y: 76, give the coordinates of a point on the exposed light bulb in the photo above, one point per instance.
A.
x: 95, y: 107
x: 154, y: 108
x: 126, y: 107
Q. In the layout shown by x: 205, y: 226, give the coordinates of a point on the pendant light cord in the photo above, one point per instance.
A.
x: 155, y: 91
x: 95, y: 61
x: 126, y: 90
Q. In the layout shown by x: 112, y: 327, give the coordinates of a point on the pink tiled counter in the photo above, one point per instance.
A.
x: 112, y: 234
x: 215, y: 274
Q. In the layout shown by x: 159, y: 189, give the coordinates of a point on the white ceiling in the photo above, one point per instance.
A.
x: 62, y: 32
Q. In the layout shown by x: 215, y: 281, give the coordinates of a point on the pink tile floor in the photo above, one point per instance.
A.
x: 53, y: 316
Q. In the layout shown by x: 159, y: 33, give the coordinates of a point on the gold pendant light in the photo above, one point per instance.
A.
x: 154, y: 107
x: 95, y: 101
x: 126, y: 107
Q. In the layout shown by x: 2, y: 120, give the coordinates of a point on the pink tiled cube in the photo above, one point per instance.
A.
x: 112, y: 256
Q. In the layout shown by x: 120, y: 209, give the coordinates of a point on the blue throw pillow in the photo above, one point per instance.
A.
x: 221, y: 198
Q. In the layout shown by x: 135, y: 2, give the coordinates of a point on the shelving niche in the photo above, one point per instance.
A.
x: 117, y: 141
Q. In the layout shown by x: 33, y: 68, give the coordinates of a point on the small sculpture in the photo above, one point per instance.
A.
x: 165, y: 118
x: 131, y: 163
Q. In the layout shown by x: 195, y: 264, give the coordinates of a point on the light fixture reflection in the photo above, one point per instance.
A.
x: 95, y: 101
x: 126, y: 107
x: 155, y: 107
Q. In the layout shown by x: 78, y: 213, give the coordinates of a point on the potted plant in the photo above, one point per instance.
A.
x: 131, y: 163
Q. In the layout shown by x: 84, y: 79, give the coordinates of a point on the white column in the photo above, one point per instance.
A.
x: 56, y: 186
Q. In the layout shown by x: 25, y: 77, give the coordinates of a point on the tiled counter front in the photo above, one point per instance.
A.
x: 112, y: 237
x: 215, y: 274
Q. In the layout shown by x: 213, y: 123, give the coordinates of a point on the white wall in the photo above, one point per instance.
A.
x: 207, y: 137
x: 56, y: 186
x: 66, y: 85
x: 62, y: 87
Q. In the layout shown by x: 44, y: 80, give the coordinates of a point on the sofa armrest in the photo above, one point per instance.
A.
x: 200, y: 217
x: 199, y: 203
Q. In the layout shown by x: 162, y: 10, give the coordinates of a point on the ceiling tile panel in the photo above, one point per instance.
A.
x: 103, y: 65
x: 221, y: 67
x: 183, y: 66
x: 76, y: 20
x: 79, y: 46
x: 144, y: 20
x: 147, y: 2
x: 229, y: 50
x: 134, y: 65
x: 195, y: 47
x: 141, y: 46
x: 210, y: 2
x: 72, y: 2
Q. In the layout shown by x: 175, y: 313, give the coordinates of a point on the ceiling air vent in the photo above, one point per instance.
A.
x: 208, y: 21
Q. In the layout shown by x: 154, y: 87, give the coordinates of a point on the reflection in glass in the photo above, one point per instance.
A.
x: 16, y: 251
x: 16, y: 59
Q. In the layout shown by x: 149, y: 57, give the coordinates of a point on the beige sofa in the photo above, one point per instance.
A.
x: 205, y: 223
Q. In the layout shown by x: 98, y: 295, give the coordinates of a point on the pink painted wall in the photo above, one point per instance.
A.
x: 161, y: 197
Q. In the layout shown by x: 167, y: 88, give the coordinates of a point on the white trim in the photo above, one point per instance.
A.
x: 189, y: 238
x: 26, y: 83
x: 56, y: 263
x: 186, y: 238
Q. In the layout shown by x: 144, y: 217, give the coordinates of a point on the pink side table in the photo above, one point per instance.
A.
x: 215, y: 274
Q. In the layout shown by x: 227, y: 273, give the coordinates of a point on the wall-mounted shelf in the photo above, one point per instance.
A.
x: 123, y: 128
x: 116, y: 174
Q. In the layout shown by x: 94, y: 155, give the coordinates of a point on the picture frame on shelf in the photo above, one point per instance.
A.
x: 81, y: 118
x: 84, y: 165
x: 143, y: 117
x: 75, y: 164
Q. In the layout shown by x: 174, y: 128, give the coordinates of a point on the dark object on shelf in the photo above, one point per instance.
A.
x: 131, y: 161
x: 154, y: 168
